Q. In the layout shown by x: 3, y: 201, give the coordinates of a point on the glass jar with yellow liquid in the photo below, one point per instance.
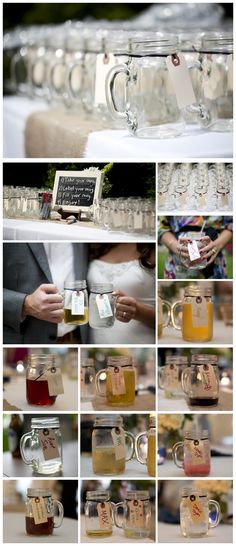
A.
x: 197, y: 314
x: 149, y: 446
x: 112, y: 446
x: 98, y: 514
x: 136, y: 519
x: 120, y: 381
x: 75, y: 303
x: 163, y: 307
x: 169, y: 375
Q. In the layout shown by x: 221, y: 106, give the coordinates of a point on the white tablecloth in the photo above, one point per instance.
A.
x: 220, y: 467
x: 14, y: 531
x: 171, y: 534
x: 116, y: 537
x: 120, y: 145
x: 17, y: 468
x: 36, y: 230
x: 221, y: 334
x: 15, y: 113
x: 15, y: 394
x: 133, y: 469
x: 180, y: 404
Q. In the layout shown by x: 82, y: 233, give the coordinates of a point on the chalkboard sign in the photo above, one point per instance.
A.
x: 77, y: 190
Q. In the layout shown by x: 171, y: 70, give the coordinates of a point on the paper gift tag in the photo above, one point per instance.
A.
x: 136, y: 513
x: 208, y: 377
x: 117, y: 380
x: 104, y: 516
x: 195, y: 508
x: 199, y: 312
x: 197, y: 451
x: 161, y: 199
x: 48, y: 444
x: 224, y: 199
x: 118, y: 438
x: 230, y: 72
x: 193, y: 251
x: 104, y: 63
x: 54, y: 379
x: 138, y: 220
x: 181, y: 80
x: 116, y: 219
x: 182, y: 199
x: 104, y: 306
x: 77, y: 303
x: 202, y: 201
x: 171, y: 376
x: 39, y: 510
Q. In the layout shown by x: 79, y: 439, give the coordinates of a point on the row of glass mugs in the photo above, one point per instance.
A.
x: 112, y: 446
x: 199, y: 381
x: 187, y: 186
x: 80, y: 66
x: 198, y: 514
x: 196, y: 310
x: 41, y: 509
x: 130, y: 215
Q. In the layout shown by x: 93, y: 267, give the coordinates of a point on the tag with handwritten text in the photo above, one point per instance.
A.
x: 195, y: 508
x: 171, y: 376
x: 208, y: 377
x: 54, y: 379
x: 117, y: 380
x: 118, y: 438
x: 104, y: 306
x: 199, y: 312
x: 48, y: 442
x: 77, y: 303
x: 136, y: 513
x: 104, y: 516
x: 39, y: 510
x: 193, y: 251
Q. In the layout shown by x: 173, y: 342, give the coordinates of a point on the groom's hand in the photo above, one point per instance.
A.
x: 45, y: 303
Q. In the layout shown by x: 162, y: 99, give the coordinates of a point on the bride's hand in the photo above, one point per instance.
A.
x: 126, y: 307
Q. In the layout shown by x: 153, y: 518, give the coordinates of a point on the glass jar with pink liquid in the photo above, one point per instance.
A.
x: 193, y: 454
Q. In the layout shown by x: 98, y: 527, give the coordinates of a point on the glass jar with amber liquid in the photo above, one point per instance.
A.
x: 76, y: 303
x: 120, y: 381
x: 163, y: 308
x: 41, y: 510
x: 98, y: 514
x: 150, y: 443
x: 37, y: 391
x: 197, y: 314
x: 200, y: 381
x: 112, y: 446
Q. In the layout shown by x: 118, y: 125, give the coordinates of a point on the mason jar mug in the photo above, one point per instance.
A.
x: 193, y: 455
x: 75, y: 303
x: 41, y: 510
x: 42, y: 446
x: 136, y: 518
x: 101, y: 306
x: 37, y: 387
x: 197, y: 314
x: 112, y: 446
x: 164, y: 307
x: 198, y: 514
x: 150, y: 441
x: 120, y: 381
x: 169, y: 375
x: 98, y: 514
x: 200, y: 381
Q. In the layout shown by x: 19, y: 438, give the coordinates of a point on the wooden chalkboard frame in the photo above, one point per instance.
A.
x: 92, y: 172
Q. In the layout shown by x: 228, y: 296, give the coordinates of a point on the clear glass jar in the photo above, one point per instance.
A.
x: 163, y: 306
x: 48, y: 504
x: 37, y: 392
x: 200, y: 381
x: 136, y: 521
x: 170, y: 374
x: 198, y: 514
x: 198, y: 263
x: 87, y: 380
x: 195, y: 453
x: 216, y: 85
x: 151, y: 109
x: 75, y: 303
x: 120, y: 381
x: 98, y: 514
x: 45, y: 432
x: 110, y: 449
x: 101, y: 306
x: 197, y: 314
x: 149, y: 438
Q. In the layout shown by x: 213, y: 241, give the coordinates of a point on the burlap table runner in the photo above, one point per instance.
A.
x: 55, y: 133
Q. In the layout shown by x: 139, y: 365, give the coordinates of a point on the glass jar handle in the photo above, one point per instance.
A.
x: 97, y: 385
x: 218, y: 513
x: 74, y: 93
x: 118, y: 505
x: 51, y: 77
x: 173, y: 309
x: 132, y: 443
x: 137, y: 446
x: 185, y: 380
x: 61, y: 513
x: 175, y: 450
x: 23, y: 442
x: 110, y: 94
x: 166, y: 304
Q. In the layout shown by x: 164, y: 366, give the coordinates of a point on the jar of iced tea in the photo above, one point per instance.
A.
x: 149, y: 438
x: 87, y: 380
x: 120, y: 381
x: 195, y: 454
x: 200, y: 381
x: 41, y: 510
x: 170, y: 374
x: 42, y: 446
x: 98, y: 514
x: 101, y: 306
x: 198, y: 514
x: 40, y: 375
x: 112, y: 446
x: 76, y: 303
x: 163, y: 307
x: 197, y: 314
x: 136, y: 520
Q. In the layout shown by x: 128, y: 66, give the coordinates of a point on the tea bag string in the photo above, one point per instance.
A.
x: 45, y: 371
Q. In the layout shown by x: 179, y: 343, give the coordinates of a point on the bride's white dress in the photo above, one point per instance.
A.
x: 135, y: 282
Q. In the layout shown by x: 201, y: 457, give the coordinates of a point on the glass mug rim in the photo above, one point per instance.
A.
x: 38, y: 492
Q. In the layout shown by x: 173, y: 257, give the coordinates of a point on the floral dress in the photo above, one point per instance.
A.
x: 178, y: 225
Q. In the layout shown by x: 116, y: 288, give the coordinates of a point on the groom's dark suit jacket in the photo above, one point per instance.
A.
x: 25, y: 268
